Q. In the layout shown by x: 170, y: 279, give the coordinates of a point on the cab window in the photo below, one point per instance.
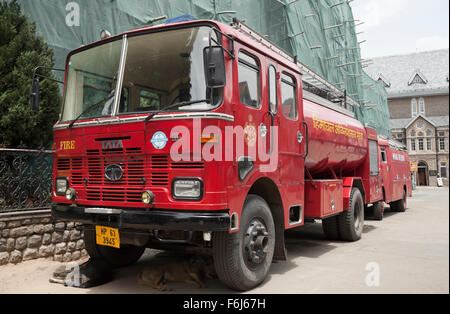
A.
x: 373, y: 157
x: 288, y: 96
x: 383, y: 155
x: 273, y: 97
x: 249, y: 80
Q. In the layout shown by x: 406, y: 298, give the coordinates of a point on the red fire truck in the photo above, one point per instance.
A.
x: 207, y: 135
x: 396, y: 178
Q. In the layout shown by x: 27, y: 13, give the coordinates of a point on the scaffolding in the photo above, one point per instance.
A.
x: 321, y: 34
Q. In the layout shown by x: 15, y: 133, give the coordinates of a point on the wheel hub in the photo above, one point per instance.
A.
x: 255, y: 244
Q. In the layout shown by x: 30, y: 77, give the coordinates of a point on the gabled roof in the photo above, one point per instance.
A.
x: 417, y: 117
x: 437, y: 122
x: 432, y: 67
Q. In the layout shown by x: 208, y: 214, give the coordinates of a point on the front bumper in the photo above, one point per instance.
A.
x: 143, y: 220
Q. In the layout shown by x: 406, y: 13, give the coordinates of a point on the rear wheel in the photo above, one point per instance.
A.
x: 125, y: 256
x: 400, y: 205
x: 351, y: 222
x: 243, y: 259
x: 378, y: 210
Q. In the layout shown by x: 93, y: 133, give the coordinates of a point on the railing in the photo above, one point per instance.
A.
x: 25, y: 179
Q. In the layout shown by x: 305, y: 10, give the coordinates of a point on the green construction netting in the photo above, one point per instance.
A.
x: 320, y: 32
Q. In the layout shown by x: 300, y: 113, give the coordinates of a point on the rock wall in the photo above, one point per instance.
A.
x: 26, y: 238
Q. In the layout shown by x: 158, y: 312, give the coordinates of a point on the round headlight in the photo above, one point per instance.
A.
x: 71, y: 194
x: 147, y: 197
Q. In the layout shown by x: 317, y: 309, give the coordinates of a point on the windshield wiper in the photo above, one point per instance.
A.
x: 90, y: 108
x: 178, y: 104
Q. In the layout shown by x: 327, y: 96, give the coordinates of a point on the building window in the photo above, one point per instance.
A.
x: 429, y: 133
x: 442, y: 143
x: 413, y: 133
x: 249, y: 80
x: 428, y: 143
x: 443, y: 170
x: 420, y: 143
x: 414, y: 107
x: 420, y: 125
x: 413, y: 145
x: 421, y: 106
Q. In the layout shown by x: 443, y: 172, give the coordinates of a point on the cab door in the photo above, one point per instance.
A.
x: 385, y: 174
x: 292, y: 141
x: 250, y: 111
x: 292, y: 134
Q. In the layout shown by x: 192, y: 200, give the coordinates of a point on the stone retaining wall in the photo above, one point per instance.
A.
x: 33, y: 237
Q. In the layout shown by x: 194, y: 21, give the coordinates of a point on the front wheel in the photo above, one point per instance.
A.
x: 243, y: 259
x: 125, y: 256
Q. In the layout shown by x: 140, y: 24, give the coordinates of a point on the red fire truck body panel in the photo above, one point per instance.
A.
x: 336, y: 141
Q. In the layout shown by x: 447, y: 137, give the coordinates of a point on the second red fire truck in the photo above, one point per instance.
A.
x: 207, y: 135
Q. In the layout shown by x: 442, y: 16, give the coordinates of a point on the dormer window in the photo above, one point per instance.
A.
x: 418, y: 78
x: 384, y: 81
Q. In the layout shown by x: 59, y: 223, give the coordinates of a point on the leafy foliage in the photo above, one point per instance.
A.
x: 21, y: 50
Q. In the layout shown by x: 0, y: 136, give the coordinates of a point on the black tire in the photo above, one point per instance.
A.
x: 400, y: 205
x: 378, y: 210
x: 351, y: 222
x: 330, y: 227
x: 125, y: 256
x: 231, y: 252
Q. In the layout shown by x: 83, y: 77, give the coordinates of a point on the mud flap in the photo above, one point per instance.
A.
x: 280, y: 252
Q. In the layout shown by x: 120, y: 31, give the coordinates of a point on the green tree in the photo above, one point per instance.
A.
x: 21, y: 50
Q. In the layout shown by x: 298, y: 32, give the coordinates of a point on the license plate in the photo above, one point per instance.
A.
x: 107, y: 236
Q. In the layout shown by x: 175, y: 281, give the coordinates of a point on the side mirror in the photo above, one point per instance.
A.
x: 214, y: 66
x: 35, y: 95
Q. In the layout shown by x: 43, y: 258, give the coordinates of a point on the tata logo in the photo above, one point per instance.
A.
x: 112, y: 144
x: 113, y: 172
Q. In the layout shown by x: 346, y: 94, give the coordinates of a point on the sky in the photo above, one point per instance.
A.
x: 393, y: 27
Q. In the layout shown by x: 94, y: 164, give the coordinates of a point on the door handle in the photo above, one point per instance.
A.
x: 299, y: 137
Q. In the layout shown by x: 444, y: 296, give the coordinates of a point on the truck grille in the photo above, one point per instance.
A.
x: 132, y: 162
x: 136, y: 173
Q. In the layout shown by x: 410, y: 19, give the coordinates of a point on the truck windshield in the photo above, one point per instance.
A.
x: 160, y: 69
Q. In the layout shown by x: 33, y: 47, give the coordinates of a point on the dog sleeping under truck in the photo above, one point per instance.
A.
x: 132, y: 102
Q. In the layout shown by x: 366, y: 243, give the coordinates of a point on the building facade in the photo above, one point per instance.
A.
x: 418, y: 95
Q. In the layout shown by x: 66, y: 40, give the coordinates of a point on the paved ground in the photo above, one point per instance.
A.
x: 406, y: 253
